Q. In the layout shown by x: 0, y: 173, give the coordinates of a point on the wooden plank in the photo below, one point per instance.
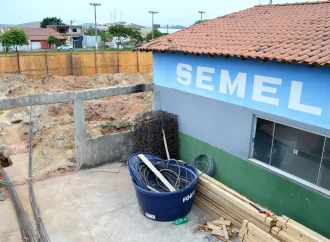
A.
x: 305, y: 229
x: 224, y: 187
x: 258, y: 232
x: 224, y: 228
x: 217, y: 210
x: 156, y: 172
x: 238, y: 203
x: 220, y: 203
x: 212, y: 211
x: 297, y: 231
x: 282, y: 235
x: 218, y: 232
x: 229, y: 208
x: 210, y: 225
x: 222, y: 222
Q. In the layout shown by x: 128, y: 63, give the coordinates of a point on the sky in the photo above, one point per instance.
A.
x: 177, y: 12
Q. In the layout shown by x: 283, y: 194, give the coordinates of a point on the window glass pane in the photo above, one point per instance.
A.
x: 263, y: 140
x: 308, y: 156
x: 285, y: 142
x: 325, y: 168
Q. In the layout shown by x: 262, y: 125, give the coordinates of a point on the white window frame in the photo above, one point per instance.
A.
x: 280, y: 172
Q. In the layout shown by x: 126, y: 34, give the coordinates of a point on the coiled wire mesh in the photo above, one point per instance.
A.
x: 148, y: 136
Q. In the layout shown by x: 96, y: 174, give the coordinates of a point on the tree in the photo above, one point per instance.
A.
x: 157, y: 34
x: 4, y: 44
x: 50, y: 21
x: 106, y: 36
x: 91, y: 32
x: 125, y: 35
x: 199, y: 21
x: 52, y: 40
x: 135, y: 37
x: 14, y: 38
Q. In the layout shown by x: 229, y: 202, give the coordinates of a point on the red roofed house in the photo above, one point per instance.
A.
x: 37, y: 37
x: 252, y: 89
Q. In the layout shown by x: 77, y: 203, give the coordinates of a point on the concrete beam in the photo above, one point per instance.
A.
x: 63, y: 97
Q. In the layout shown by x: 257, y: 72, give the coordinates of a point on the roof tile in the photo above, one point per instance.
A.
x: 298, y: 32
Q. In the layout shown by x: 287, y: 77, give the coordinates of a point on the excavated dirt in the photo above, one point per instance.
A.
x: 53, y: 125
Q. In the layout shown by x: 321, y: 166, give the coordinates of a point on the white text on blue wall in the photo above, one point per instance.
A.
x: 262, y: 87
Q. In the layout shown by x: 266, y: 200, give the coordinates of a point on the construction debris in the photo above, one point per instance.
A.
x: 256, y: 223
x: 220, y: 231
x: 219, y: 200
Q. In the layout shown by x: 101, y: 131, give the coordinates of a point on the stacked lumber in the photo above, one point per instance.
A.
x: 218, y: 200
x: 252, y: 233
x: 289, y: 230
x: 220, y: 229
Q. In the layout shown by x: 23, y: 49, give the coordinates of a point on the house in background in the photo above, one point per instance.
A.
x: 252, y: 89
x: 76, y: 31
x: 37, y: 38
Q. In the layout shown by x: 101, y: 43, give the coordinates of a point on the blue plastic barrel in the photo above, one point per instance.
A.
x: 164, y: 206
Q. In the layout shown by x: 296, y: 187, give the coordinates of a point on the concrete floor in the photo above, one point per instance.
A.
x: 93, y: 206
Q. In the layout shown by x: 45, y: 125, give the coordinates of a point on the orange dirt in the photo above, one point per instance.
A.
x: 53, y: 125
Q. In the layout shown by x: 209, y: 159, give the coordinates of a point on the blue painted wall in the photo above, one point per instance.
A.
x: 314, y: 95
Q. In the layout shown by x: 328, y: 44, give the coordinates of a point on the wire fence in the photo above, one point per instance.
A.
x: 36, y: 65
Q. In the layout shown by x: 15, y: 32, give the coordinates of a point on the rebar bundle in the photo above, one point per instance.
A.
x: 148, y: 135
x: 40, y: 225
x: 27, y: 231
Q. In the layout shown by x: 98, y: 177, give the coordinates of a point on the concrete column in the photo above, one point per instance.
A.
x: 80, y: 131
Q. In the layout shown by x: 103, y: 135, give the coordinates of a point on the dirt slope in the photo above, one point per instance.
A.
x: 53, y: 132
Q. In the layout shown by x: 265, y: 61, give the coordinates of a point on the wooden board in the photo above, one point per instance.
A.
x: 156, y: 172
x: 224, y: 228
x: 229, y: 211
x: 243, y: 206
x: 222, y: 222
x: 297, y: 231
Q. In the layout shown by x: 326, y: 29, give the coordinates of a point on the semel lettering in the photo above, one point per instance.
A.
x: 239, y: 83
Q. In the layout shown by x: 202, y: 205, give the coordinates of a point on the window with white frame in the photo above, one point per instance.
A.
x: 300, y: 153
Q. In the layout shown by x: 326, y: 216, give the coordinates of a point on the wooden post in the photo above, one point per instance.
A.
x: 137, y: 62
x: 46, y: 61
x: 95, y: 59
x: 118, y: 70
x: 71, y: 64
x: 18, y: 63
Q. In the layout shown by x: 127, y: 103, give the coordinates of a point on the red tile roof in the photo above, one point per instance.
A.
x: 41, y: 33
x: 298, y: 32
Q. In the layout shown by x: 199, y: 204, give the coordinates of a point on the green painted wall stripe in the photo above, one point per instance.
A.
x: 264, y: 187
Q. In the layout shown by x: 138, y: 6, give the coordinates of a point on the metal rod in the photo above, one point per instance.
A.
x: 319, y: 176
x: 271, y: 149
x: 40, y: 226
x: 95, y: 5
x: 27, y: 231
x: 201, y: 12
x: 152, y: 23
